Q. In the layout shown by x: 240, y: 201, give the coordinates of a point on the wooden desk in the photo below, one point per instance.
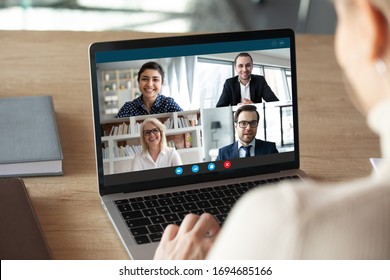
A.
x: 335, y: 141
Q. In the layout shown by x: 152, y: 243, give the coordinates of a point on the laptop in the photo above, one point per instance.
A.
x: 141, y: 203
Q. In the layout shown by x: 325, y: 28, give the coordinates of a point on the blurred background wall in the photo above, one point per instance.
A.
x: 304, y: 16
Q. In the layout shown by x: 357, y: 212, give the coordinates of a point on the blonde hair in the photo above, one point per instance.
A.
x: 161, y: 127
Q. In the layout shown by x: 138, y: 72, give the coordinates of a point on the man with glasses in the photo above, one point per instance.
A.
x: 246, y: 121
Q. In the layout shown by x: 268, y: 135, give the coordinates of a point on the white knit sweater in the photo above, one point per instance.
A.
x: 315, y: 221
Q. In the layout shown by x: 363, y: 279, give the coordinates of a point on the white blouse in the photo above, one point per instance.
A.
x: 168, y: 157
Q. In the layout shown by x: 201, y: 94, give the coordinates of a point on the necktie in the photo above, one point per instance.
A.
x: 247, y: 150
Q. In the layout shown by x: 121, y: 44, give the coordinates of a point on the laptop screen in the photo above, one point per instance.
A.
x: 180, y: 110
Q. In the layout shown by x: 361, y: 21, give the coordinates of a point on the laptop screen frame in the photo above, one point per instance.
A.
x: 124, y: 185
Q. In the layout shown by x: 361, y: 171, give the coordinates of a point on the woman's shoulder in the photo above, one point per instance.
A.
x: 135, y: 100
x: 170, y: 151
x: 166, y: 98
x: 132, y: 103
x: 168, y: 104
x: 131, y: 108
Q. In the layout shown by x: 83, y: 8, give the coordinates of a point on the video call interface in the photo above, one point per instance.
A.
x: 194, y: 107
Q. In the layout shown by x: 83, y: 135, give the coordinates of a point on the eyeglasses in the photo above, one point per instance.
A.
x: 244, y: 124
x: 148, y: 132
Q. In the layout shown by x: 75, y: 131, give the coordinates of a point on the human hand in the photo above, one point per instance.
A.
x: 245, y: 101
x: 191, y: 241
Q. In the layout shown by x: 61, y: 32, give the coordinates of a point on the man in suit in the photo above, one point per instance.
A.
x: 246, y: 121
x: 245, y: 88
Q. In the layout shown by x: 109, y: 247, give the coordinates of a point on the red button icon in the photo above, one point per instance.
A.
x: 227, y: 164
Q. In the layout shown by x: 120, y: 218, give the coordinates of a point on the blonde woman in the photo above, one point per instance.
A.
x: 155, y: 153
x: 349, y: 220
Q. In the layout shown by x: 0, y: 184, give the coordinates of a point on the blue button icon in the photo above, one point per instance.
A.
x: 195, y: 168
x: 179, y: 171
x: 211, y: 166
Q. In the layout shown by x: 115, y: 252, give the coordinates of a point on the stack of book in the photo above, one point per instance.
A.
x: 29, y: 140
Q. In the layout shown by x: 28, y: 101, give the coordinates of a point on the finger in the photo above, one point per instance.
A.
x: 214, y: 226
x: 207, y: 224
x: 188, y: 223
x: 170, y: 233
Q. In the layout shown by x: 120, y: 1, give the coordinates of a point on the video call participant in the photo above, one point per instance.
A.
x: 348, y: 220
x: 245, y: 88
x: 246, y: 121
x: 150, y: 81
x: 155, y: 152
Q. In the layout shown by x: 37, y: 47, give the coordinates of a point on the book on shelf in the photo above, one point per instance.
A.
x: 185, y: 122
x: 29, y: 140
x: 115, y: 129
x: 135, y: 128
x: 122, y: 151
x: 181, y: 122
x: 125, y: 128
x: 192, y: 119
x: 112, y: 130
x: 21, y: 237
x: 187, y: 140
x: 169, y: 124
x: 178, y: 140
x: 171, y: 144
x: 120, y: 129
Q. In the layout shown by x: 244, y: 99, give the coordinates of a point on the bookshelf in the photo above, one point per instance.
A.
x: 118, y: 86
x: 121, y: 136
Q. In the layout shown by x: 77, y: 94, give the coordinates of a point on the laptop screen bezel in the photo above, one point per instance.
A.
x: 128, y: 186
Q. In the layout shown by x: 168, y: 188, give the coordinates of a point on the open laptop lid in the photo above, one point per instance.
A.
x: 196, y: 68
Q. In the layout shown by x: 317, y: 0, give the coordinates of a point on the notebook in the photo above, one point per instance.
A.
x: 142, y: 199
x: 29, y: 146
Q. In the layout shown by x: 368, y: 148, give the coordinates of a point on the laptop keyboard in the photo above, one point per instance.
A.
x: 148, y: 216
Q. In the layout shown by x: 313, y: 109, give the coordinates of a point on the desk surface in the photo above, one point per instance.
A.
x: 335, y: 140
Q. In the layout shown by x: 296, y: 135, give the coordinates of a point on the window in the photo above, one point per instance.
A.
x: 288, y: 77
x: 212, y: 75
x: 258, y: 70
x: 277, y: 80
